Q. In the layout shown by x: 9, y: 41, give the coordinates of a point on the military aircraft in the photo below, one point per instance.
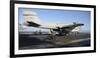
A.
x: 32, y: 20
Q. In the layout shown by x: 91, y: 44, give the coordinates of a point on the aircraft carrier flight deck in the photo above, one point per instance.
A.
x: 42, y: 41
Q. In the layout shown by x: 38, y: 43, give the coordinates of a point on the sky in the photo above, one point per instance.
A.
x: 55, y: 16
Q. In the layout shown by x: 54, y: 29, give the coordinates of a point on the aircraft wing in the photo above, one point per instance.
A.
x: 70, y: 27
x: 66, y: 27
x: 28, y: 23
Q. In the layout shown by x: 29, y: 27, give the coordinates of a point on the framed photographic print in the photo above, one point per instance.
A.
x: 43, y: 28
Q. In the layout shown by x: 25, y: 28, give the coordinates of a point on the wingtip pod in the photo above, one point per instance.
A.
x: 79, y: 24
x: 82, y: 24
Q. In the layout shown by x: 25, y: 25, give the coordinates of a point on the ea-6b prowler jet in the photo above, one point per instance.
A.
x: 32, y: 20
